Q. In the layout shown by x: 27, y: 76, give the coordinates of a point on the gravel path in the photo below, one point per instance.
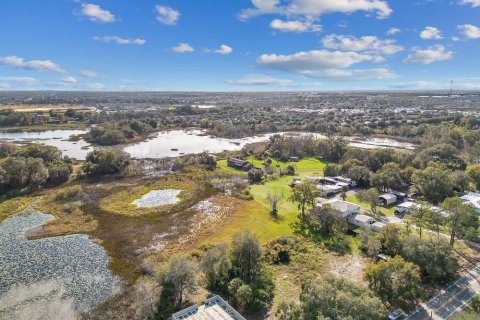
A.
x: 52, y: 278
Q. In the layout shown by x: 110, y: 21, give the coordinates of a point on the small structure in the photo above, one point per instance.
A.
x: 328, y: 190
x: 363, y: 221
x: 472, y: 198
x: 293, y: 159
x: 401, y: 196
x: 405, y: 208
x: 348, y: 181
x: 239, y: 164
x: 377, y: 226
x: 387, y: 199
x: 214, y: 308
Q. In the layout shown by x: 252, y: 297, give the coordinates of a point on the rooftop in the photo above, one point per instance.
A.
x: 214, y: 308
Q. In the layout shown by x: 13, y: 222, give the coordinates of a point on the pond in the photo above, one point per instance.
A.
x: 156, y: 198
x: 57, y: 138
x: 52, y: 278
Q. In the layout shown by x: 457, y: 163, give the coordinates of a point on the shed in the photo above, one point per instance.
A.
x: 387, y: 199
x: 361, y: 220
x: 377, y: 226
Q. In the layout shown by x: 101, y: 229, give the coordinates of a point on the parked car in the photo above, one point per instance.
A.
x: 396, y: 315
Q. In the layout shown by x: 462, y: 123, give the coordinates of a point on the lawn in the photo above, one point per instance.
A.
x: 389, y: 211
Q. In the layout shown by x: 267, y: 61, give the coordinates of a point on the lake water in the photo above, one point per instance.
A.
x: 57, y: 138
x: 157, y: 198
x: 52, y: 278
x: 174, y: 143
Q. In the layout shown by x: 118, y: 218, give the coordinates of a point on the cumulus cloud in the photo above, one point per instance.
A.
x: 325, y: 64
x: 97, y: 14
x: 183, y: 48
x: 120, y: 41
x: 431, y: 33
x: 295, y: 26
x: 69, y: 80
x: 88, y: 73
x: 167, y: 15
x: 224, y: 49
x: 429, y: 55
x: 393, y: 31
x: 38, y: 65
x: 473, y: 3
x: 469, y: 31
x: 309, y: 8
x: 370, y: 44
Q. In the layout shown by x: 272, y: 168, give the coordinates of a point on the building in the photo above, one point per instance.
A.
x: 293, y: 159
x: 239, y: 164
x: 387, y: 199
x: 344, y: 209
x: 348, y: 181
x: 328, y: 190
x: 377, y: 226
x: 472, y: 198
x: 405, y: 208
x: 362, y: 221
x: 214, y: 308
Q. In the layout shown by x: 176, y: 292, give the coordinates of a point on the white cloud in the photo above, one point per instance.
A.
x: 97, y: 14
x: 295, y: 26
x: 261, y: 80
x: 371, y: 44
x: 469, y: 31
x: 183, y: 48
x: 473, y: 3
x: 38, y: 65
x: 431, y: 33
x: 69, y: 80
x: 315, y: 8
x: 325, y: 64
x: 88, y: 73
x: 4, y: 86
x: 23, y: 80
x: 96, y: 86
x: 393, y: 31
x: 224, y: 49
x: 167, y: 15
x: 430, y: 55
x: 120, y: 41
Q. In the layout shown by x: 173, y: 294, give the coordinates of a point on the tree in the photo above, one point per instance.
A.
x: 434, y: 183
x: 419, y: 215
x: 106, y: 161
x: 395, y: 281
x: 181, y: 275
x: 304, y: 194
x: 391, y: 236
x: 274, y: 199
x: 473, y: 171
x: 331, y: 170
x: 59, y: 172
x: 359, y: 173
x: 46, y: 153
x: 334, y: 298
x: 369, y: 243
x: 434, y: 219
x: 7, y: 149
x: 216, y: 265
x: 462, y: 218
x: 389, y: 177
x: 255, y: 175
x: 369, y: 196
x: 343, y: 194
x: 208, y: 161
x: 329, y: 222
x: 460, y: 181
x: 245, y: 256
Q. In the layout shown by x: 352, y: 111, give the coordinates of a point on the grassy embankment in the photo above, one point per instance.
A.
x: 13, y: 206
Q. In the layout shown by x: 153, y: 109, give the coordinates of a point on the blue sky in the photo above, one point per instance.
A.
x: 239, y: 45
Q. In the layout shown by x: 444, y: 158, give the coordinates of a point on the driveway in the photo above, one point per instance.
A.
x: 451, y: 300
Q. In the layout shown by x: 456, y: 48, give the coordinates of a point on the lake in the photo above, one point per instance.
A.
x: 175, y: 142
x: 52, y: 278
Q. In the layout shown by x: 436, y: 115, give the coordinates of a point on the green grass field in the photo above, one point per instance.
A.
x: 389, y: 211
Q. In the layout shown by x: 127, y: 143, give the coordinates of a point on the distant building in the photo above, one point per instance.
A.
x: 239, y: 164
x: 214, y: 308
x: 328, y: 190
x: 344, y: 209
x: 387, y: 199
x: 363, y: 221
x: 293, y: 159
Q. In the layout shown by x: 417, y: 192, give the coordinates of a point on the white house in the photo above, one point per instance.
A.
x: 346, y: 210
x: 472, y: 198
x: 214, y: 308
x: 328, y: 190
x: 363, y: 221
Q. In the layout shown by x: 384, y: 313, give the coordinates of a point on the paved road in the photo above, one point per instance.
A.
x: 451, y: 300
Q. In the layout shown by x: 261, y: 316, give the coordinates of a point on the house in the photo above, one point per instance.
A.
x: 387, y: 199
x: 472, y: 198
x: 214, y: 308
x: 405, y: 208
x: 401, y: 196
x: 377, y: 226
x: 344, y: 209
x: 293, y: 159
x: 363, y: 221
x: 328, y: 190
x: 327, y: 180
x: 239, y: 164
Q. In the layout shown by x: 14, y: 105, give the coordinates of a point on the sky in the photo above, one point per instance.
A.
x: 239, y: 45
